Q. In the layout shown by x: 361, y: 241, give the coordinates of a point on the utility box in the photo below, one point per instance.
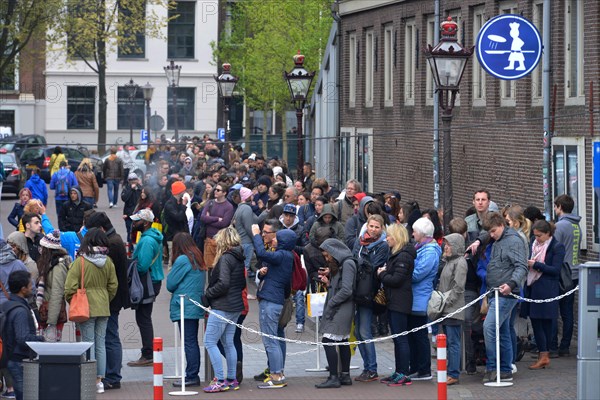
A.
x: 60, y: 372
x: 588, y: 342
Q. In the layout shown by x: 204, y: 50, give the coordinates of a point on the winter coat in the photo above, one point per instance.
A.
x: 227, y: 281
x: 305, y: 212
x: 149, y: 248
x: 38, y: 188
x: 175, y: 218
x: 313, y: 260
x: 20, y: 240
x: 424, y: 274
x: 183, y: 279
x: 57, y: 177
x: 301, y: 236
x: 339, y: 303
x: 338, y: 227
x: 8, y: 264
x: 88, y: 184
x: 355, y: 224
x: 99, y: 280
x: 546, y: 287
x: 243, y: 220
x: 275, y: 285
x: 54, y: 290
x: 568, y: 232
x: 377, y: 252
x: 508, y: 262
x: 15, y: 215
x: 73, y: 211
x: 118, y: 255
x: 113, y: 168
x: 130, y: 198
x: 20, y: 329
x: 454, y: 277
x: 346, y: 212
x: 397, y: 279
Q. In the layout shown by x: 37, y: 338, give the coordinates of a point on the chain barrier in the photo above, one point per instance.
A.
x: 374, y: 340
x: 297, y: 353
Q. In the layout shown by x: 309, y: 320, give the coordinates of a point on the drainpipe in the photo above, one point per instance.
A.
x: 436, y: 119
x: 337, y: 143
x: 547, y: 160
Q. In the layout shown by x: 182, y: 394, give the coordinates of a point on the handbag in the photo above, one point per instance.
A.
x: 62, y: 316
x: 316, y: 303
x: 436, y: 304
x: 380, y: 297
x: 565, y: 280
x: 286, y: 313
x: 79, y: 307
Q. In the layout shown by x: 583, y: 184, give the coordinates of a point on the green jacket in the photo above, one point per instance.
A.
x: 100, y: 282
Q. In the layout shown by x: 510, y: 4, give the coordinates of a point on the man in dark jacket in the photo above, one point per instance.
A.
x: 117, y: 253
x: 130, y: 196
x: 20, y: 327
x: 174, y: 215
x: 73, y: 210
x: 352, y: 227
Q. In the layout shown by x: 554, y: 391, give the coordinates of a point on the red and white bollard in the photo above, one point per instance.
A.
x: 158, y: 368
x: 442, y: 374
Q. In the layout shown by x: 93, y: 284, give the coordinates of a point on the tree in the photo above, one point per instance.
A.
x: 20, y: 21
x: 89, y: 29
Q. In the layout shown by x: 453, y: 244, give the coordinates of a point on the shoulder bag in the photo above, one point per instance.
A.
x: 79, y: 308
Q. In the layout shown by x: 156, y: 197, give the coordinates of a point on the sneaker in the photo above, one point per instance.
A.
x: 263, y: 376
x: 141, y: 362
x: 514, y: 368
x: 233, y: 385
x: 389, y: 379
x: 471, y: 368
x: 188, y: 383
x: 489, y: 376
x: 564, y: 352
x: 273, y: 384
x: 420, y: 377
x: 110, y: 205
x: 99, y: 387
x: 299, y: 328
x: 506, y: 376
x: 11, y: 395
x: 109, y: 385
x: 345, y: 379
x: 367, y: 376
x: 400, y: 380
x: 216, y: 386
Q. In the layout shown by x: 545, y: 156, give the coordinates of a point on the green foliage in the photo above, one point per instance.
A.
x: 263, y: 37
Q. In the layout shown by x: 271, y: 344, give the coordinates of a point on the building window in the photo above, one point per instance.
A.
x: 508, y: 88
x: 536, y: 74
x: 185, y: 108
x: 352, y: 62
x: 356, y: 156
x: 132, y: 44
x: 124, y: 107
x: 389, y: 44
x: 410, y: 43
x: 181, y: 30
x: 7, y: 122
x: 429, y: 84
x: 81, y: 107
x: 478, y: 71
x: 574, y: 52
x: 369, y: 67
x: 568, y: 174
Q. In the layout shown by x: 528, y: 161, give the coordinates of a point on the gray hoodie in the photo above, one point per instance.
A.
x: 454, y: 276
x: 508, y: 262
x: 568, y: 233
x: 8, y: 264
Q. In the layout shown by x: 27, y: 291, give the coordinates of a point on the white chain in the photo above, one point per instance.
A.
x: 286, y: 354
x: 576, y: 288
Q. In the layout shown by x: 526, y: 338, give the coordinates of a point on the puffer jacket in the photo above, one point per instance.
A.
x: 397, y: 279
x: 339, y: 303
x: 454, y: 276
x: 54, y: 291
x: 275, y: 285
x: 424, y: 274
x: 183, y: 279
x: 227, y: 281
x: 99, y: 280
x: 38, y: 188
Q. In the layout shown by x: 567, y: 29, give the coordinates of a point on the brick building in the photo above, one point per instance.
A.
x: 386, y: 106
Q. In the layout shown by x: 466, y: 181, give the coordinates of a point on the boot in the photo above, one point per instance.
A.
x: 345, y: 379
x: 542, y: 362
x: 239, y: 375
x: 332, y: 382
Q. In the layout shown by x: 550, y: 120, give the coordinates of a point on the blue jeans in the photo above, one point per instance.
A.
x: 113, y: 190
x: 248, y: 252
x: 217, y: 329
x: 90, y: 200
x: 269, y: 323
x: 505, y: 307
x: 16, y: 370
x: 566, y: 305
x: 300, y: 307
x: 114, y: 350
x: 398, y: 323
x: 420, y: 349
x: 362, y: 331
x: 453, y: 341
x: 94, y: 330
x: 192, y: 349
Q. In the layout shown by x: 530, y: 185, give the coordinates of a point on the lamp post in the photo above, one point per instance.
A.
x: 447, y: 60
x: 148, y: 90
x: 226, y: 83
x: 299, y: 81
x: 131, y: 89
x: 173, y: 71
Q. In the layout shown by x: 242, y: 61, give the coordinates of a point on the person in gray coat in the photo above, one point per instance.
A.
x: 336, y: 322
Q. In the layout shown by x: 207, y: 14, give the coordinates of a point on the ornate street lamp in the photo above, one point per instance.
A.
x: 447, y: 60
x: 299, y: 81
x: 172, y: 72
x: 131, y: 90
x: 148, y: 90
x: 226, y: 83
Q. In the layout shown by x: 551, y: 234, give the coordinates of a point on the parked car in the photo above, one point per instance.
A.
x: 138, y: 157
x: 16, y: 176
x: 18, y: 143
x: 40, y: 156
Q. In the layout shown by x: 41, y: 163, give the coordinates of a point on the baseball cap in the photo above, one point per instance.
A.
x: 145, y: 215
x: 289, y: 208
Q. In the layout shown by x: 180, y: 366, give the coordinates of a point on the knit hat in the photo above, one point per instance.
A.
x: 51, y: 240
x: 359, y: 196
x: 145, y: 214
x: 264, y: 180
x: 245, y: 193
x: 289, y: 208
x: 425, y: 226
x: 132, y: 176
x: 177, y: 188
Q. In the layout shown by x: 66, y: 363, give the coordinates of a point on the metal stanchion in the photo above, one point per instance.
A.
x: 318, y: 368
x: 177, y: 375
x: 498, y: 382
x: 182, y: 392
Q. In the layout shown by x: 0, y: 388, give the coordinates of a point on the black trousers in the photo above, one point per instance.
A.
x: 143, y: 318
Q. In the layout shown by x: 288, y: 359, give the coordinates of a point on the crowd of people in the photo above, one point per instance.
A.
x: 211, y: 226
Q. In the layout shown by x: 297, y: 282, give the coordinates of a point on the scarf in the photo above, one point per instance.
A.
x: 366, y: 239
x: 425, y: 241
x: 538, y: 251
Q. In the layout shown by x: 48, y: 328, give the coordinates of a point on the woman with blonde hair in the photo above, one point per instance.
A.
x: 224, y: 296
x: 87, y: 182
x: 515, y: 218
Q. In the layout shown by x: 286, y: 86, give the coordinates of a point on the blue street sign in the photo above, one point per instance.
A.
x: 144, y: 136
x: 221, y: 134
x: 596, y: 167
x: 509, y: 47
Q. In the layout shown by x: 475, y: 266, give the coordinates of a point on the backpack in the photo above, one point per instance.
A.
x: 141, y: 290
x: 299, y: 280
x: 366, y: 283
x: 4, y: 349
x: 63, y: 186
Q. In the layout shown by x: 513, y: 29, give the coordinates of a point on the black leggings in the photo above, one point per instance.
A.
x: 332, y: 356
x: 542, y: 330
